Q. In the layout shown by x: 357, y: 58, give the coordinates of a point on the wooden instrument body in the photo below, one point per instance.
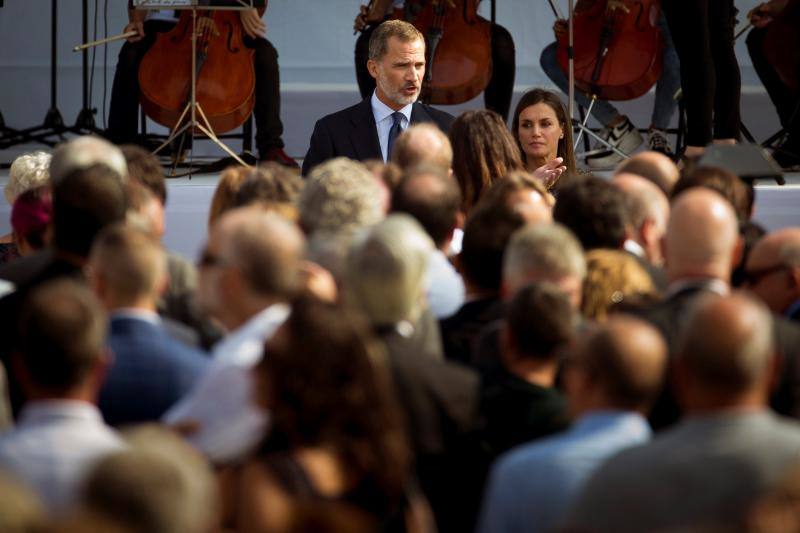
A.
x: 618, y: 55
x: 458, y: 49
x: 782, y: 44
x: 225, y: 74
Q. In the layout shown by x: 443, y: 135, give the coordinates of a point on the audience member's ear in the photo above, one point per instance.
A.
x: 162, y: 285
x: 101, y: 368
x: 508, y: 346
x: 649, y: 230
x: 738, y: 252
x: 460, y: 219
x: 794, y: 274
x: 774, y: 371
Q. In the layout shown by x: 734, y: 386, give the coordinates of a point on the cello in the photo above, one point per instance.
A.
x: 617, y: 48
x: 225, y: 85
x: 458, y: 49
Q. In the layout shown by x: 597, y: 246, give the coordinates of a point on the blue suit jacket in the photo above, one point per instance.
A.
x: 149, y: 373
x: 352, y: 133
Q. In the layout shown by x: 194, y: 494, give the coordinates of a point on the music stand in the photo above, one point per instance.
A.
x: 193, y: 109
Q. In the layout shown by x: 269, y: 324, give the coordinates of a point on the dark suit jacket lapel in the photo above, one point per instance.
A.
x: 364, y: 134
x: 418, y: 114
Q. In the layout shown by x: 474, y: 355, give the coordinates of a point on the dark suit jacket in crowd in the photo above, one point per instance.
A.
x: 352, y: 133
x: 702, y: 475
x: 149, y: 373
x: 669, y: 316
x: 441, y: 405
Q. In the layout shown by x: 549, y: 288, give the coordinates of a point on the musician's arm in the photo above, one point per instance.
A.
x: 135, y: 22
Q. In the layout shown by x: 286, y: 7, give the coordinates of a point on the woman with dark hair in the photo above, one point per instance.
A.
x: 483, y: 152
x: 335, y: 434
x: 543, y: 133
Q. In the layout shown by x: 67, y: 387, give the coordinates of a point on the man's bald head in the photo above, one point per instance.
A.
x: 265, y: 247
x: 702, y: 237
x: 423, y: 144
x: 726, y: 349
x: 648, y: 211
x: 773, y: 269
x: 626, y: 358
x: 652, y: 166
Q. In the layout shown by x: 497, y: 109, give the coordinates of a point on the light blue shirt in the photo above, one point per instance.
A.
x: 53, y: 447
x: 383, y: 121
x: 531, y: 486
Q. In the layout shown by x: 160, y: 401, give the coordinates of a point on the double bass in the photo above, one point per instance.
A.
x: 225, y: 89
x: 617, y: 47
x: 458, y: 49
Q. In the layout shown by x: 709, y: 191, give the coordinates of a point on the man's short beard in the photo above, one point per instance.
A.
x: 396, y: 97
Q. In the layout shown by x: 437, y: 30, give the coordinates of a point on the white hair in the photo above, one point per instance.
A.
x: 28, y: 171
x: 84, y: 152
x: 340, y: 195
x: 550, y: 251
x: 387, y: 270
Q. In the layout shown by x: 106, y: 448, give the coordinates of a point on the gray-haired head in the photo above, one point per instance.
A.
x: 545, y: 252
x: 84, y: 152
x: 387, y: 270
x: 158, y: 484
x: 27, y: 172
x: 340, y: 195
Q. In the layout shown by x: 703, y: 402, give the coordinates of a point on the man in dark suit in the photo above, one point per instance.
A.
x: 367, y: 130
x: 701, y: 246
x: 150, y: 369
x: 708, y: 470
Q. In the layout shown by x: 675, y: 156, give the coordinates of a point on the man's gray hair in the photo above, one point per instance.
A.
x: 340, y: 195
x: 84, y: 152
x: 158, y: 484
x: 549, y: 251
x: 265, y: 247
x: 387, y: 270
x: 28, y: 171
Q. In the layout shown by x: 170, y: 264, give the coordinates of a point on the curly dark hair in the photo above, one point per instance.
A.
x: 483, y: 152
x: 326, y: 384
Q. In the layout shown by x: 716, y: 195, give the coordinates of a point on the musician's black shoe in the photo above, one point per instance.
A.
x: 279, y: 156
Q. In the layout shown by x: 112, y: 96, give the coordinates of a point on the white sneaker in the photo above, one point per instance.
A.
x: 657, y: 142
x: 625, y: 137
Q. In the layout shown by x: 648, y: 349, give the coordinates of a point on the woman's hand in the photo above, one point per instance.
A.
x: 549, y: 173
x: 254, y: 27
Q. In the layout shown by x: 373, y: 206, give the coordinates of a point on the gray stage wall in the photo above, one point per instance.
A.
x: 314, y: 39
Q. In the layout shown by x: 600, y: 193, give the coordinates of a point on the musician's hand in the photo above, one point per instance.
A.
x: 560, y: 27
x: 617, y: 4
x: 365, y: 18
x: 549, y: 173
x: 137, y: 26
x: 253, y: 25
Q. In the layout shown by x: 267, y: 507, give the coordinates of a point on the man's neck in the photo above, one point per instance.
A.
x: 541, y: 373
x: 245, y: 310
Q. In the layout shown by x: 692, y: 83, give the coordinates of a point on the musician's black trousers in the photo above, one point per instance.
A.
x: 703, y: 34
x: 123, y: 117
x: 500, y: 89
x: 785, y: 99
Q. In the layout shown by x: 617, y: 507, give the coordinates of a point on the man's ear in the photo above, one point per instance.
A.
x: 372, y: 67
x: 738, y: 252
